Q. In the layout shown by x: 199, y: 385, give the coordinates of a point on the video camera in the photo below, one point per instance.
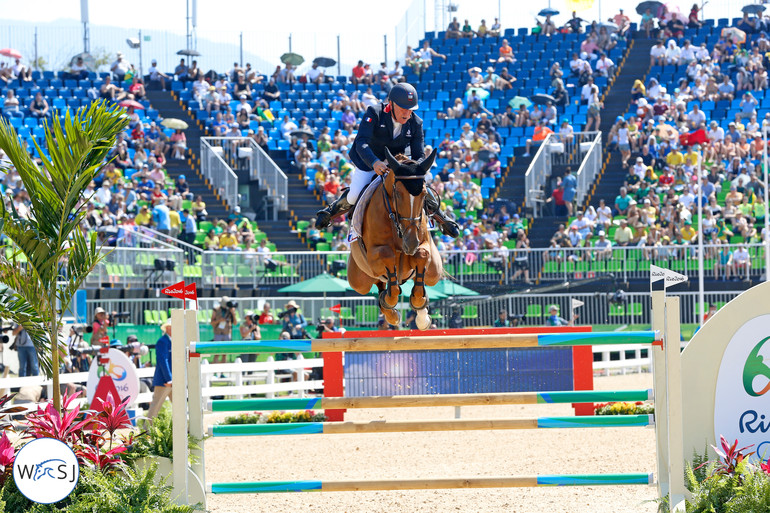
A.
x: 117, y: 315
x: 134, y: 349
x: 232, y: 304
x: 83, y: 351
x: 289, y: 311
x: 4, y: 339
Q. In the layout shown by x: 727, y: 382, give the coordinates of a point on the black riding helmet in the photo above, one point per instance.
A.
x: 404, y: 95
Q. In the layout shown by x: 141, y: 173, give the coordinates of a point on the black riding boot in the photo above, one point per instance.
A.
x: 432, y: 208
x: 338, y: 208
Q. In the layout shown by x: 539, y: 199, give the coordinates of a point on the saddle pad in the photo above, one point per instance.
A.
x: 357, y: 222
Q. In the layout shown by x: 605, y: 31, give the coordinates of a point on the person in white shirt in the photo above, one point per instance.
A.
x: 603, y: 247
x: 582, y: 225
x: 658, y: 54
x: 702, y: 53
x: 157, y: 75
x: 287, y: 126
x: 716, y: 133
x: 672, y: 53
x: 654, y: 91
x: 696, y: 117
x: 575, y: 64
x: 687, y: 199
x: 566, y: 132
x: 243, y: 105
x: 103, y: 194
x: 120, y: 67
x: 604, y: 65
x: 687, y: 53
x: 639, y: 168
x: 369, y: 98
x: 604, y: 214
x: 693, y: 70
x: 315, y: 75
x: 586, y: 90
x: 397, y: 72
x: 741, y: 260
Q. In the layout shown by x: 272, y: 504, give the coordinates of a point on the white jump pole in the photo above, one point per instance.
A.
x: 658, y: 357
x: 194, y: 394
x: 179, y: 404
x: 677, y: 489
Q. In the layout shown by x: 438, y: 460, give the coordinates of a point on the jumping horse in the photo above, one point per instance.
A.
x: 395, y: 244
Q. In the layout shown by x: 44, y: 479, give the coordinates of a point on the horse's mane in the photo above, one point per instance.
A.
x: 408, y: 168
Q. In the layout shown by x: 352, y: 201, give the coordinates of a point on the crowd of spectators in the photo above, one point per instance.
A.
x: 677, y: 159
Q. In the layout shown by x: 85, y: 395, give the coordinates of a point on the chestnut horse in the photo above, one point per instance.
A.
x: 395, y: 244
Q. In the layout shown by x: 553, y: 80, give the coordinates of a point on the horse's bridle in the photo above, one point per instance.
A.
x: 395, y: 217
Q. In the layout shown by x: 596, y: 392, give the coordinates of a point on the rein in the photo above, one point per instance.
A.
x: 395, y: 217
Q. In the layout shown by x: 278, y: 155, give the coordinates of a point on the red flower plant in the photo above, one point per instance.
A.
x: 731, y: 456
x: 66, y: 427
x: 7, y: 456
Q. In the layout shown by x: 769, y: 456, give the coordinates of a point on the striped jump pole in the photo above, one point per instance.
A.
x: 411, y: 401
x: 496, y: 341
x: 432, y: 484
x: 379, y: 426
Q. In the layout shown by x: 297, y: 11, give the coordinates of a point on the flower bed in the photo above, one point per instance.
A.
x: 624, y: 408
x: 275, y: 417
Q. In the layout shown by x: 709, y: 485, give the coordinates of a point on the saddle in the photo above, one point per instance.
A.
x: 357, y: 221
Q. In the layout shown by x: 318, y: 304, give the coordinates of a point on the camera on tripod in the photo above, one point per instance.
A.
x: 114, y: 316
x: 4, y: 339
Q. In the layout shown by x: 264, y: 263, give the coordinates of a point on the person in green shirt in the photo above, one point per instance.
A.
x: 468, y: 30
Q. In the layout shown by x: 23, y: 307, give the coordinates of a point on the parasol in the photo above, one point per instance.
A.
x: 173, y: 123
x: 292, y: 58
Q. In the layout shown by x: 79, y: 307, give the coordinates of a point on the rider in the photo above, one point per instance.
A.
x: 386, y: 125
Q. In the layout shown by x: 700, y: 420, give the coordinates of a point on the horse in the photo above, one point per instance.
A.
x: 395, y: 244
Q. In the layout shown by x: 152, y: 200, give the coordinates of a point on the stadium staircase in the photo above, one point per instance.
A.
x: 616, y: 103
x: 169, y: 107
x: 303, y: 205
x: 634, y: 65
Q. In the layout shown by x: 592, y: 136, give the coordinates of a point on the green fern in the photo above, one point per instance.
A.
x: 158, y: 440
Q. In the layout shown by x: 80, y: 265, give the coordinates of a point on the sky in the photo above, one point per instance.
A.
x: 266, y: 25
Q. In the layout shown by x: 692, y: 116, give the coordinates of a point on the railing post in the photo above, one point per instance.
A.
x: 238, y: 377
x: 301, y: 377
x: 270, y: 380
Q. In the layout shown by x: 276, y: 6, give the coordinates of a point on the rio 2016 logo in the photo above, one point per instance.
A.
x: 46, y: 470
x: 755, y: 366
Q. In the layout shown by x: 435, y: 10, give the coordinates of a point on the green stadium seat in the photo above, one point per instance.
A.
x: 346, y: 313
x: 470, y: 312
x: 534, y: 311
x: 617, y: 310
x: 367, y: 314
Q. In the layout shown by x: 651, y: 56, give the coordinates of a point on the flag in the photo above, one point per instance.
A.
x: 336, y: 308
x: 576, y: 303
x: 190, y: 291
x: 176, y: 290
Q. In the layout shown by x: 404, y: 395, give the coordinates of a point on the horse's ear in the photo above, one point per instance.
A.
x: 426, y: 164
x: 392, y: 162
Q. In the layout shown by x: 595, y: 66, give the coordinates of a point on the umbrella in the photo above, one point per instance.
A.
x: 321, y: 283
x: 753, y: 8
x: 738, y: 36
x: 518, y: 101
x: 483, y: 94
x: 324, y: 62
x: 303, y: 131
x: 668, y: 132
x: 10, y: 52
x: 292, y: 58
x: 176, y: 124
x: 652, y: 6
x: 88, y: 60
x: 131, y: 103
x: 189, y: 53
x: 611, y: 27
x: 451, y: 288
x: 542, y: 99
x: 548, y: 11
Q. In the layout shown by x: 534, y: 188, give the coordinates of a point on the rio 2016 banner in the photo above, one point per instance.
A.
x: 742, y: 399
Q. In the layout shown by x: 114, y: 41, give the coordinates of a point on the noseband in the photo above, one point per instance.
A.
x: 395, y: 217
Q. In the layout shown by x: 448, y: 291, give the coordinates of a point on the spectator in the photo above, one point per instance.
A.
x: 505, y: 53
x: 314, y: 75
x: 453, y: 30
x: 575, y: 23
x: 541, y: 132
x: 502, y: 319
x: 78, y: 71
x: 467, y: 30
x: 223, y: 320
x: 623, y: 22
x: 569, y: 183
x: 120, y: 67
x: 742, y: 261
x: 427, y: 54
x: 554, y: 319
x: 495, y: 29
x: 181, y: 71
x: 603, y: 247
x: 623, y: 235
x: 521, y: 257
x: 161, y: 380
x: 157, y: 76
x: 658, y: 54
x: 604, y: 66
x: 39, y: 107
x: 28, y: 363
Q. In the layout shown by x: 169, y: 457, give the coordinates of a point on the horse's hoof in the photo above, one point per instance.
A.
x: 383, y: 299
x: 419, y: 305
x: 392, y: 316
x: 423, y: 319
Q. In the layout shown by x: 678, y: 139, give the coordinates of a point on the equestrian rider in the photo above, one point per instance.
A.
x: 391, y: 125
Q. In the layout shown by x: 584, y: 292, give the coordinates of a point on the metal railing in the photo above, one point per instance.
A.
x: 599, y: 308
x: 217, y: 171
x: 591, y: 164
x: 137, y: 267
x: 580, y: 151
x: 249, y: 269
x: 271, y: 177
x: 537, y: 172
